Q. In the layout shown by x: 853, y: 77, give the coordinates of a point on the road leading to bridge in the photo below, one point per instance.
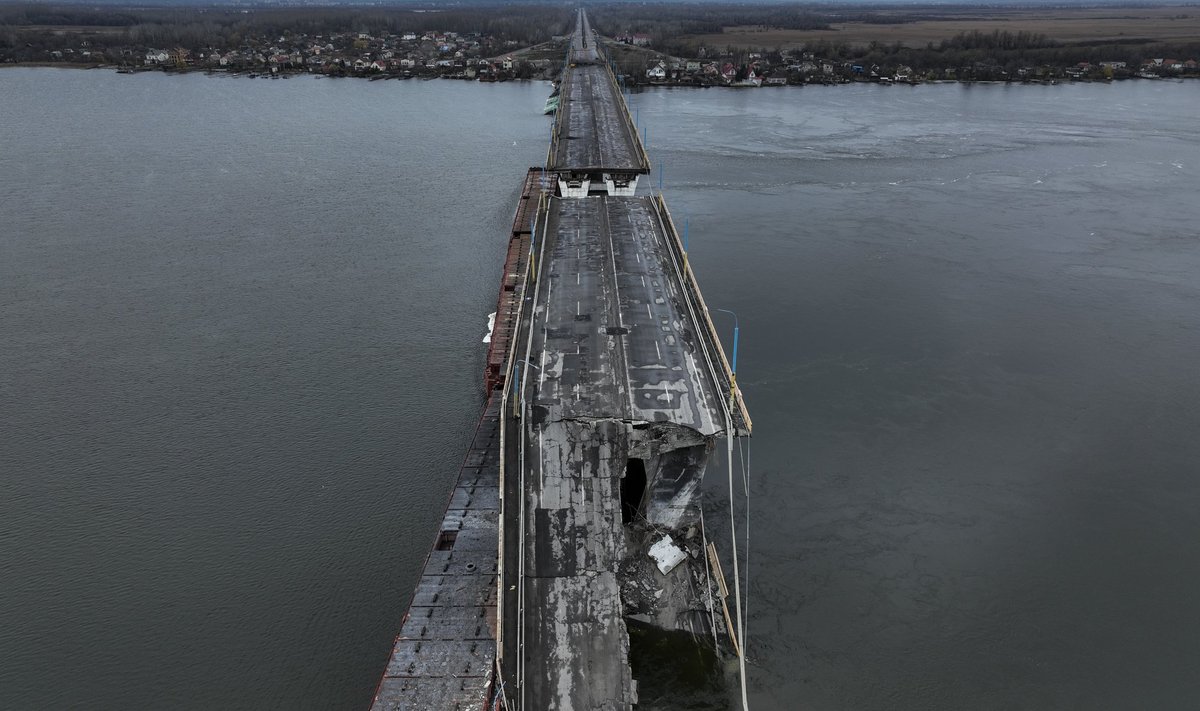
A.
x: 592, y: 133
x: 583, y: 48
x: 594, y: 145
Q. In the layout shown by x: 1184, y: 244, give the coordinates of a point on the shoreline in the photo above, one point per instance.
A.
x: 382, y: 76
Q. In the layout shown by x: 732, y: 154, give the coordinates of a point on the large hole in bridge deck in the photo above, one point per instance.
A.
x: 445, y: 540
x: 633, y: 489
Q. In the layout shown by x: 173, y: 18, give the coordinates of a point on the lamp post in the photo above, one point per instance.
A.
x: 733, y: 366
x: 518, y: 401
x: 533, y: 241
x: 737, y: 576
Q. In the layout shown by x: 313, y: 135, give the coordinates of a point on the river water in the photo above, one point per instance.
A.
x: 242, y: 320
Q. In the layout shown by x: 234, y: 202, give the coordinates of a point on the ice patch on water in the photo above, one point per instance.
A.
x: 491, y: 325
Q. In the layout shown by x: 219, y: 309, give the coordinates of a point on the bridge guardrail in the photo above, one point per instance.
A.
x: 629, y: 125
x: 529, y: 277
x: 693, y: 288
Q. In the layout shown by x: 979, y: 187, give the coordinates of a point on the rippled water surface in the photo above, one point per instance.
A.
x: 241, y: 360
x: 970, y: 321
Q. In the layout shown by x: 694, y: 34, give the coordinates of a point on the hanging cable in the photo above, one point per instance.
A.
x: 708, y: 597
x: 744, y: 447
x: 737, y: 583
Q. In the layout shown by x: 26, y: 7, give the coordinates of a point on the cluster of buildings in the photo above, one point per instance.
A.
x: 1149, y: 69
x: 758, y: 69
x: 468, y: 56
x: 476, y: 56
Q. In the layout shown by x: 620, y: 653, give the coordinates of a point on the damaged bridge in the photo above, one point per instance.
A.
x: 617, y: 399
x: 612, y: 395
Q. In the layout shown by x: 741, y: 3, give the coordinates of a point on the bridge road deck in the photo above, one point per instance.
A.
x: 613, y: 343
x: 592, y: 132
x: 613, y: 336
x: 583, y: 41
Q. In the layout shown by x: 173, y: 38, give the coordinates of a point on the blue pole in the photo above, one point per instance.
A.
x: 637, y: 116
x: 660, y: 176
x: 685, y: 233
x: 645, y: 136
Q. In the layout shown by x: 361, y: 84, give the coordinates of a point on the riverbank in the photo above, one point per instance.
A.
x: 632, y: 82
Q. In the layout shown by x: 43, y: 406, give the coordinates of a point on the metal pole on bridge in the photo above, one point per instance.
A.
x: 733, y: 365
x: 533, y: 244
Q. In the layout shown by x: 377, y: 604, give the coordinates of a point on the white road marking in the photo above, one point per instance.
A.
x: 542, y: 368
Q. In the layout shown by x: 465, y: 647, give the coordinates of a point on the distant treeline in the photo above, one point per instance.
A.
x: 1003, y: 49
x: 224, y: 26
x: 666, y: 21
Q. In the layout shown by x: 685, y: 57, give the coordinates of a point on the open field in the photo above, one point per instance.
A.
x: 70, y: 29
x: 1067, y: 25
